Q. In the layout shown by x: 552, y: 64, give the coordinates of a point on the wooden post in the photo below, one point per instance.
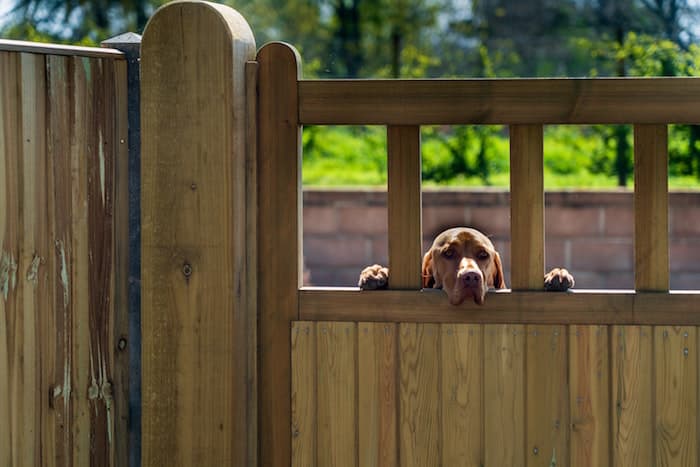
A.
x: 197, y: 299
x: 279, y: 228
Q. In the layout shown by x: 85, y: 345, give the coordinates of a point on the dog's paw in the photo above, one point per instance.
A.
x: 374, y: 277
x: 558, y: 280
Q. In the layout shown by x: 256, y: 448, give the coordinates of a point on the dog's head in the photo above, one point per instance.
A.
x: 464, y: 263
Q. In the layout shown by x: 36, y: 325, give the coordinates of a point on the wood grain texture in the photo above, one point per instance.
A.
x: 419, y: 422
x: 461, y: 350
x: 501, y: 101
x: 404, y: 207
x: 279, y: 230
x: 632, y: 411
x: 431, y: 306
x: 589, y: 374
x: 336, y: 392
x: 504, y: 395
x: 547, y: 396
x: 675, y: 396
x: 304, y: 400
x: 651, y: 256
x: 195, y: 327
x: 59, y: 49
x: 527, y: 207
x: 377, y: 346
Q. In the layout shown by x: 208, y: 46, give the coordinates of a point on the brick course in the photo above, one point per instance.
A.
x: 591, y: 233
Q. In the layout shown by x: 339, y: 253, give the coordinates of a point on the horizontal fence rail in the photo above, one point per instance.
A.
x: 499, y: 101
x: 57, y: 49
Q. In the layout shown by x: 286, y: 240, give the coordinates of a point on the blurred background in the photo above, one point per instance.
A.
x: 588, y: 169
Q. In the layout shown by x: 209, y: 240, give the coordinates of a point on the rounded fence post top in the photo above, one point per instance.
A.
x: 235, y: 23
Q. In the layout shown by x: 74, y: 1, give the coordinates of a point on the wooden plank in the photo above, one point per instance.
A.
x: 547, y: 396
x: 651, y: 257
x: 404, y: 207
x: 11, y: 322
x: 504, y: 395
x: 336, y: 392
x: 526, y: 207
x: 589, y: 374
x: 34, y: 244
x: 500, y: 101
x: 119, y: 334
x: 419, y: 395
x: 77, y: 253
x: 56, y: 371
x: 59, y: 49
x: 632, y: 420
x: 279, y: 224
x: 461, y: 395
x: 196, y: 404
x: 304, y: 427
x: 675, y: 397
x: 377, y: 394
x: 431, y: 306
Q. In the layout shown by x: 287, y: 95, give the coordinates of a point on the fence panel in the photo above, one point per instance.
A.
x: 62, y: 129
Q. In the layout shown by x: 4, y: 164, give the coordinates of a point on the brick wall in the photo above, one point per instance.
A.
x: 590, y: 233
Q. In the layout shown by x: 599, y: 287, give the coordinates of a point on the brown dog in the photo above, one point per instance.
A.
x: 464, y: 263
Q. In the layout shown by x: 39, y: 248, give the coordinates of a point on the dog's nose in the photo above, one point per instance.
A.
x: 471, y: 279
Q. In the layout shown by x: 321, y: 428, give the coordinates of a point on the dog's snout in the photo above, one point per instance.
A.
x: 471, y: 279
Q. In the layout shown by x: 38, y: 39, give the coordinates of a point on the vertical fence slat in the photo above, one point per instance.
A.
x: 526, y: 207
x: 419, y: 423
x: 279, y: 191
x: 676, y: 414
x: 377, y: 391
x: 336, y: 393
x: 632, y: 436
x: 10, y: 222
x: 589, y: 396
x: 404, y: 206
x: 304, y: 432
x: 504, y: 395
x: 461, y: 395
x: 196, y: 404
x: 651, y: 257
x: 36, y: 247
x: 547, y: 396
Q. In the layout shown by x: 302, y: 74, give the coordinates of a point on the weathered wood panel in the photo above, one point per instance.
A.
x: 304, y: 426
x: 195, y: 322
x: 60, y: 133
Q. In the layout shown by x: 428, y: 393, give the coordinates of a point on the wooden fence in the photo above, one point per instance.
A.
x: 243, y: 366
x: 63, y: 323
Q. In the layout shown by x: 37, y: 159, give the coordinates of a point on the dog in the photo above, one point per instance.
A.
x: 464, y: 263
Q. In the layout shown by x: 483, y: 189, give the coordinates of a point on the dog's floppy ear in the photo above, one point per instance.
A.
x: 499, y: 281
x: 427, y: 270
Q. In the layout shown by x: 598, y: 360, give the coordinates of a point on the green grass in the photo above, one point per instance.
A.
x: 356, y: 157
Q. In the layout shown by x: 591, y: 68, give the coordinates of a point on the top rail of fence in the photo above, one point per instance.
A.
x: 56, y: 49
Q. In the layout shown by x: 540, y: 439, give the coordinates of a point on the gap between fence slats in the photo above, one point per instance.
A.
x: 501, y: 101
x: 651, y: 256
x: 404, y: 206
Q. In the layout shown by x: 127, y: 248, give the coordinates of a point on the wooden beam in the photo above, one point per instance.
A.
x: 431, y: 306
x: 404, y: 203
x: 651, y: 257
x: 500, y: 101
x: 526, y: 207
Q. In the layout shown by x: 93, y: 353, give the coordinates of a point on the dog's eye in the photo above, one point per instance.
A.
x: 483, y: 255
x: 449, y: 253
